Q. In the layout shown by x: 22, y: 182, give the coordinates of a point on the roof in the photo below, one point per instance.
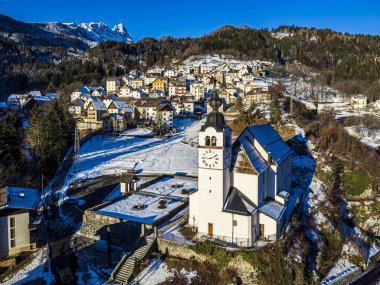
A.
x: 272, y: 209
x: 271, y: 141
x: 238, y: 203
x: 123, y: 105
x: 19, y: 198
x: 99, y: 106
x: 147, y: 102
x: 254, y: 157
x: 165, y: 107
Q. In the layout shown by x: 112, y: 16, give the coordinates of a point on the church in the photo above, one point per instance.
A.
x: 243, y: 187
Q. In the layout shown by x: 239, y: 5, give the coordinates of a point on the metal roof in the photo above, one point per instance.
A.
x: 19, y: 198
x: 238, y: 203
x: 272, y: 209
x: 271, y: 141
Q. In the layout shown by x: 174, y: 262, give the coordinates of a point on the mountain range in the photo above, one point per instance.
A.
x: 69, y: 35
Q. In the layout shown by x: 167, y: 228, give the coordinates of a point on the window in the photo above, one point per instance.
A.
x: 235, y: 223
x: 12, y: 222
x: 213, y: 141
x: 12, y: 226
x: 207, y: 140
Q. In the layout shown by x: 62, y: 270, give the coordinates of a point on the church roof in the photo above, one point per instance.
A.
x: 271, y: 141
x: 272, y: 209
x: 238, y: 203
x: 215, y: 119
x: 243, y: 144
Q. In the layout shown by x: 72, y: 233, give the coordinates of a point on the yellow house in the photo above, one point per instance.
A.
x: 159, y: 84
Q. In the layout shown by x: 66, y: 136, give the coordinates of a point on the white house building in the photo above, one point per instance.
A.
x: 17, y: 233
x: 244, y: 187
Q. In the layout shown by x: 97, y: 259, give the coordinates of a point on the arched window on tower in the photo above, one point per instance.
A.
x: 207, y: 140
x: 213, y: 141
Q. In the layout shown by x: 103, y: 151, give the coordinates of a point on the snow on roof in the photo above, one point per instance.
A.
x: 151, y: 214
x: 172, y: 187
x: 271, y: 141
x: 98, y: 105
x: 19, y: 198
x: 123, y: 105
x: 272, y: 209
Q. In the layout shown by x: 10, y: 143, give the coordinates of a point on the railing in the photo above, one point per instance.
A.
x: 228, y: 241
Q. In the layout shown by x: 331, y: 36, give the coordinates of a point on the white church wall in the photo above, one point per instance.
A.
x: 270, y: 225
x: 194, y: 209
x: 248, y: 185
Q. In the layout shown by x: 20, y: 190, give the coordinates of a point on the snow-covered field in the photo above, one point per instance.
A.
x: 157, y: 271
x: 34, y: 270
x: 104, y: 155
x: 372, y: 141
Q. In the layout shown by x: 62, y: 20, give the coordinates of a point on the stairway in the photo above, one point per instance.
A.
x: 127, y: 263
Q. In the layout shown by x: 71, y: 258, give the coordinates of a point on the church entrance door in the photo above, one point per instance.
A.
x: 210, y: 229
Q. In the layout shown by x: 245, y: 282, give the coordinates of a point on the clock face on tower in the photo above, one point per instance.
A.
x: 210, y: 158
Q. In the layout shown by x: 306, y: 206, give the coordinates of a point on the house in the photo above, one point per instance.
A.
x: 137, y: 83
x: 257, y: 95
x: 112, y: 84
x: 80, y: 93
x: 219, y: 77
x: 17, y: 212
x: 169, y: 71
x: 198, y: 90
x: 359, y: 101
x: 183, y: 106
x: 167, y: 114
x: 244, y: 188
x: 177, y: 88
x: 93, y: 118
x: 76, y: 107
x: 160, y: 84
x: 137, y: 93
x: 115, y: 122
x: 125, y: 91
x: 144, y: 108
x: 14, y: 101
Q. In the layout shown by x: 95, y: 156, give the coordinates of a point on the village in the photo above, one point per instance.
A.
x: 159, y: 166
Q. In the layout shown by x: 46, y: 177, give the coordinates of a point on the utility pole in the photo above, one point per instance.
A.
x: 77, y: 167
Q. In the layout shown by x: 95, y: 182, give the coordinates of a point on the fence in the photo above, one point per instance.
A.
x: 227, y: 241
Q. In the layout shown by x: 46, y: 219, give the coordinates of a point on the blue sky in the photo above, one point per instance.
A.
x: 198, y: 17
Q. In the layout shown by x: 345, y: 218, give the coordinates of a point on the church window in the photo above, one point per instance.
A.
x: 207, y: 140
x: 213, y: 141
x: 210, y: 191
x: 235, y: 223
x: 210, y: 178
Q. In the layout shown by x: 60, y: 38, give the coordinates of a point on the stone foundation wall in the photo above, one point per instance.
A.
x: 246, y: 272
x: 123, y: 233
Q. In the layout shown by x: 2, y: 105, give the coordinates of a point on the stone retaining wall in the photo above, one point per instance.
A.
x: 246, y: 272
x: 123, y: 233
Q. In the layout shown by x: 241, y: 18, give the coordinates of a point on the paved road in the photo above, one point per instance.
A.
x: 61, y: 252
x: 372, y: 277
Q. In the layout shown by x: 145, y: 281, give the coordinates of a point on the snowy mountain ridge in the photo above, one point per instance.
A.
x: 90, y: 33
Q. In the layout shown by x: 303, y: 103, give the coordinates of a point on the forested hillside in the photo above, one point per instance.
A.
x: 350, y: 63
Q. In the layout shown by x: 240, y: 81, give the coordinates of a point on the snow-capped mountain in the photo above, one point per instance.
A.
x: 89, y: 33
x: 66, y: 35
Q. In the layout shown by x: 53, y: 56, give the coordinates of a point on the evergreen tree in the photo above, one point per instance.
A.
x: 275, y: 112
x: 159, y: 123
